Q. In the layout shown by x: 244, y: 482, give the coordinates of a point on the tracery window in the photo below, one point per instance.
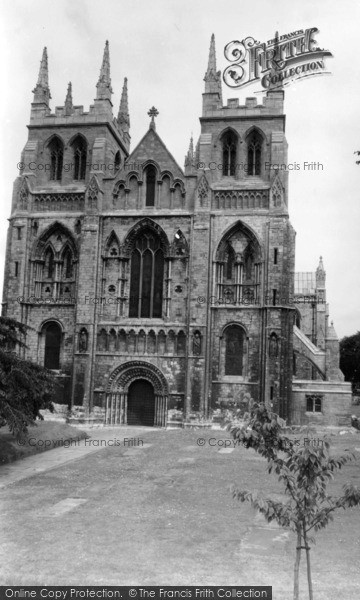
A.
x: 254, y: 147
x: 80, y: 150
x: 229, y: 143
x: 146, y: 279
x: 56, y: 149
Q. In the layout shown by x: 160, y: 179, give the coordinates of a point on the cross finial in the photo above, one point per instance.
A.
x: 153, y: 112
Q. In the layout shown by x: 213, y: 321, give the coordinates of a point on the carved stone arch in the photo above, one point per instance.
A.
x: 48, y: 321
x: 146, y: 224
x: 124, y: 375
x: 51, y: 138
x: 152, y: 163
x: 167, y: 173
x: 130, y: 175
x: 258, y: 130
x: 54, y: 228
x: 239, y: 226
x: 179, y: 183
x: 233, y: 323
x: 112, y: 243
x: 75, y: 136
x: 179, y: 247
x: 226, y: 130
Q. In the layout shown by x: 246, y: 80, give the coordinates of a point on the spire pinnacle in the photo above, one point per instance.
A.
x: 212, y: 76
x: 104, y: 89
x: 42, y: 91
x: 189, y: 158
x: 123, y: 114
x: 68, y: 100
x: 212, y: 57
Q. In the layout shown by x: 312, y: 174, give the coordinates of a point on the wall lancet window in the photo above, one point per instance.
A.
x: 79, y: 147
x: 146, y: 279
x: 254, y: 150
x: 229, y: 144
x: 56, y: 150
x: 150, y: 185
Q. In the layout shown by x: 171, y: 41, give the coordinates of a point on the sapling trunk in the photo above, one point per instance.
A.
x: 297, y: 564
x: 308, y: 565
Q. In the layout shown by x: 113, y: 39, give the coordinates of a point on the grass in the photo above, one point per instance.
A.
x: 164, y: 515
x: 45, y: 435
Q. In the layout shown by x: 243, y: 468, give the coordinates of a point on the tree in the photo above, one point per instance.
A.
x: 350, y: 359
x: 25, y: 387
x: 304, y: 471
x: 358, y: 153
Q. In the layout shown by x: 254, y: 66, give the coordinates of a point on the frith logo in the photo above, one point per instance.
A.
x: 275, y: 63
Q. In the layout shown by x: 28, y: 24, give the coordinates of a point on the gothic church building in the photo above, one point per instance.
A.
x: 160, y: 295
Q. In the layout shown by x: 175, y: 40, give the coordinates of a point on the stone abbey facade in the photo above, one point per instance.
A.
x: 157, y: 294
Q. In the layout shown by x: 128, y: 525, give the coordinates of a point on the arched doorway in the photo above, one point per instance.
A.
x: 52, y: 346
x: 141, y: 403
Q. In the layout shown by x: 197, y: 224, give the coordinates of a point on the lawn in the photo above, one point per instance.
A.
x: 164, y: 515
x: 45, y: 435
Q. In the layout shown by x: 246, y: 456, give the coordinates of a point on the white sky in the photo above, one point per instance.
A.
x: 162, y: 47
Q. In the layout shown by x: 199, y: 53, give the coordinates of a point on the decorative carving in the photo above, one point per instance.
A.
x: 240, y: 200
x: 24, y: 195
x: 203, y: 190
x: 59, y: 202
x: 93, y: 193
x: 124, y: 375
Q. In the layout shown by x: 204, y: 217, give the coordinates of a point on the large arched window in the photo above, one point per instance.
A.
x: 79, y: 147
x: 52, y: 346
x: 254, y: 147
x: 234, y: 350
x: 150, y: 185
x: 229, y: 143
x: 147, y: 271
x: 56, y: 150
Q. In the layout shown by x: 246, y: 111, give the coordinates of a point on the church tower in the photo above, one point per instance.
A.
x: 242, y: 232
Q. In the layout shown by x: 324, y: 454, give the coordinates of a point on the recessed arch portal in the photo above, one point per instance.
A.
x: 126, y: 385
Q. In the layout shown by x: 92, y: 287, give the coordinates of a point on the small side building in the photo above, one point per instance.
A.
x: 320, y: 394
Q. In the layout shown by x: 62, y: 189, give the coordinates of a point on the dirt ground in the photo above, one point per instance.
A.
x: 162, y: 514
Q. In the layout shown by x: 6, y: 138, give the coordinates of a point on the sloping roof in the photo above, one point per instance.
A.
x: 151, y: 147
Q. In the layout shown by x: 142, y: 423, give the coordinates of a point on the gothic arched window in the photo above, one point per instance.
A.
x: 147, y: 271
x: 56, y: 150
x: 67, y: 264
x: 234, y: 350
x: 52, y: 346
x: 79, y: 148
x: 229, y: 143
x: 254, y: 146
x: 49, y: 264
x: 150, y: 185
x: 230, y: 260
x: 117, y: 161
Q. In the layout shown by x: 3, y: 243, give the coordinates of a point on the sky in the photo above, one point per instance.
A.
x: 162, y: 47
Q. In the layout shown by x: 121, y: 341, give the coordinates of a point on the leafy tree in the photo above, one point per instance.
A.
x: 25, y: 387
x: 304, y: 472
x: 350, y: 359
